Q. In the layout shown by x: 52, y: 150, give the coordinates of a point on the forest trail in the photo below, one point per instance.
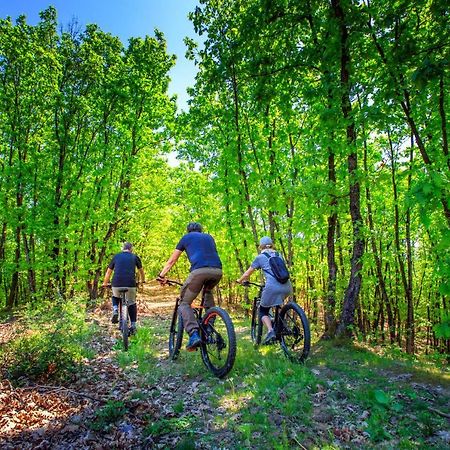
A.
x: 141, y: 399
x: 53, y: 416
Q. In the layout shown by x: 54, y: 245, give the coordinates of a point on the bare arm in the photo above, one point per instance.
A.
x: 246, y: 275
x: 141, y: 275
x: 107, y: 276
x: 170, y: 262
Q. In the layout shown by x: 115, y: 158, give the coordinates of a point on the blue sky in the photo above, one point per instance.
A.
x: 125, y: 19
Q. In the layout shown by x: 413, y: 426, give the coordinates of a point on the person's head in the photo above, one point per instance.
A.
x: 194, y: 226
x: 127, y: 247
x: 265, y: 242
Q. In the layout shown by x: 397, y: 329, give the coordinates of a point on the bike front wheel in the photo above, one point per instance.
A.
x: 294, y: 333
x: 176, y: 335
x: 218, y: 347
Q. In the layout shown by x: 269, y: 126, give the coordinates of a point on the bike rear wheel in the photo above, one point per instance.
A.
x: 294, y: 333
x: 218, y: 347
x: 256, y: 326
x: 176, y: 335
x: 124, y: 325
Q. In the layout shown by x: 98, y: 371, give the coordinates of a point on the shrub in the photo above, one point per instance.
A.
x: 52, y: 344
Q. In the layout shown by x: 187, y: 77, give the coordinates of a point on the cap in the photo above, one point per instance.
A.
x: 265, y: 240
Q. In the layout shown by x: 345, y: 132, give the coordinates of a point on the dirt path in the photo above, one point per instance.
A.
x: 149, y: 402
x: 44, y: 416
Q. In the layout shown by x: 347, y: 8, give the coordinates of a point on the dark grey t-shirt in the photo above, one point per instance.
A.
x: 124, y: 265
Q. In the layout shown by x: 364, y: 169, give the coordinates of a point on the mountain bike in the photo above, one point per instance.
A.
x: 124, y: 317
x: 290, y: 324
x: 218, y: 345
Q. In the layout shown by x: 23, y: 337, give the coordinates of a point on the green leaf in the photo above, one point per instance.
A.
x: 442, y: 330
x: 444, y: 288
x: 397, y: 407
x: 381, y: 397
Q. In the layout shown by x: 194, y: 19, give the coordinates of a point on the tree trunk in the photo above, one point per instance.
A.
x: 330, y: 319
x: 410, y: 331
x: 401, y: 264
x: 239, y: 156
x: 378, y: 263
x: 352, y: 292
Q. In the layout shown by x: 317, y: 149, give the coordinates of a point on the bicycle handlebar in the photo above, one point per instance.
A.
x: 169, y: 282
x: 250, y: 283
x: 109, y: 285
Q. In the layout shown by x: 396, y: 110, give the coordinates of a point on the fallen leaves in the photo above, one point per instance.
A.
x: 23, y: 409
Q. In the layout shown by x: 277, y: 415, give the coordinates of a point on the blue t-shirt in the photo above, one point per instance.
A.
x: 200, y: 249
x: 124, y: 265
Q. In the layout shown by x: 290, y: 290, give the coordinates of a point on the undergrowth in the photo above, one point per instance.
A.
x: 344, y: 396
x: 52, y: 344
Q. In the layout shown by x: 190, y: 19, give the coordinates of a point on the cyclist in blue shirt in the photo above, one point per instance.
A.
x: 206, y: 270
x: 124, y: 265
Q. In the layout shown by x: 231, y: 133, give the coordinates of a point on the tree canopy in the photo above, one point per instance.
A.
x: 322, y: 124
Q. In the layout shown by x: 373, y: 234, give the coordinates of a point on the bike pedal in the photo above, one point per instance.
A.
x: 192, y: 349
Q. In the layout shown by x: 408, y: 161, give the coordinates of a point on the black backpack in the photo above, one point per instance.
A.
x: 278, y: 267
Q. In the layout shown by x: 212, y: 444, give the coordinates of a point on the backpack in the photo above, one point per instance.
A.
x: 278, y: 267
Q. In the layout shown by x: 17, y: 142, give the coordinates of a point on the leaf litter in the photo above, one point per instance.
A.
x: 174, y: 410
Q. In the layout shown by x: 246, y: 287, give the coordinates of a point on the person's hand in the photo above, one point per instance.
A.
x: 161, y: 279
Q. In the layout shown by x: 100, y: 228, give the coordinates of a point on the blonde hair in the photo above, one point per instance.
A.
x: 263, y: 247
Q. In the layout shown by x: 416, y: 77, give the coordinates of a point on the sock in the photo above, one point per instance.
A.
x: 115, y: 303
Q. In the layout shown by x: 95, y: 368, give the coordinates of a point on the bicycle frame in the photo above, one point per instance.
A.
x: 218, y: 338
x: 277, y: 308
x: 289, y: 323
x: 198, y: 310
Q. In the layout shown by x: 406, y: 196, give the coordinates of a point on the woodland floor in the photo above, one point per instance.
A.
x: 144, y: 400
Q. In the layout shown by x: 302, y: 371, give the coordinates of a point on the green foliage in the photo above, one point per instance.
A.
x: 178, y: 408
x: 87, y: 124
x: 108, y: 414
x: 381, y: 397
x: 442, y: 330
x: 182, y: 425
x: 83, y: 123
x: 52, y: 344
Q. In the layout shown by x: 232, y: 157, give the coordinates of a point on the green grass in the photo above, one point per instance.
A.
x: 107, y: 415
x: 268, y: 402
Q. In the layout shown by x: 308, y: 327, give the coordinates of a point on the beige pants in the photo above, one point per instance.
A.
x: 206, y: 276
x: 130, y: 295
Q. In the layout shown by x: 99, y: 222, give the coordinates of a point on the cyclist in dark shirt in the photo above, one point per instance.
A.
x: 206, y: 270
x: 124, y: 265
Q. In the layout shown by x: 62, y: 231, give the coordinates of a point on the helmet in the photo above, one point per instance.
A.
x: 194, y: 226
